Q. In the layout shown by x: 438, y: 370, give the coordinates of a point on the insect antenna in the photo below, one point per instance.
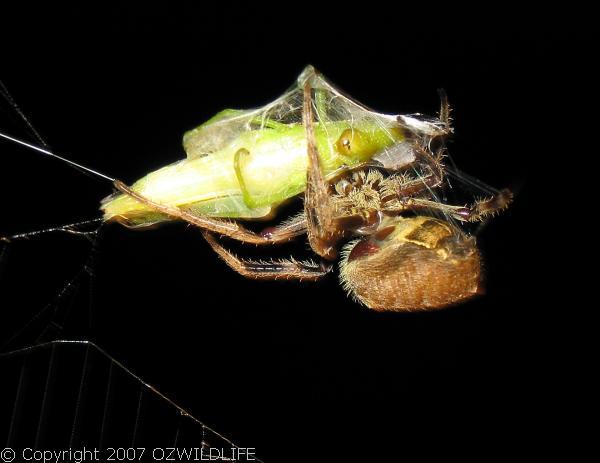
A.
x: 70, y: 228
x: 81, y: 168
x: 46, y: 148
x: 73, y: 228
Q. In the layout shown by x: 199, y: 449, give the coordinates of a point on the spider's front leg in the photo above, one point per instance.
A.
x: 230, y: 229
x: 476, y: 212
x: 323, y: 231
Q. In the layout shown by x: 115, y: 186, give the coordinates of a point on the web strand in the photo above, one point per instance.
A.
x: 52, y: 380
x: 69, y: 228
x: 11, y: 101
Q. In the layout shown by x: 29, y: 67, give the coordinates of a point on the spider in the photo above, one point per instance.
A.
x: 397, y: 256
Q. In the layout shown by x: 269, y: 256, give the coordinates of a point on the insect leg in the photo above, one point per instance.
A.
x: 227, y: 228
x: 285, y: 269
x: 238, y: 157
x: 318, y: 207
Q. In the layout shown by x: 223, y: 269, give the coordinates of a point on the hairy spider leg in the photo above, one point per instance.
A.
x: 323, y: 230
x: 285, y: 269
x: 287, y: 231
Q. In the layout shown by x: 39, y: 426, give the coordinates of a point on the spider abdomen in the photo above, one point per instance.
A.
x: 419, y: 263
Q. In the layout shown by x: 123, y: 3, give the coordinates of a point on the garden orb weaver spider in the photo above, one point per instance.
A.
x: 373, y: 184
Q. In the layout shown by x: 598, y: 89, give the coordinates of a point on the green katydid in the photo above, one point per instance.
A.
x: 242, y: 164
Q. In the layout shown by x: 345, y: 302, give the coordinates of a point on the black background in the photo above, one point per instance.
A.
x: 296, y: 370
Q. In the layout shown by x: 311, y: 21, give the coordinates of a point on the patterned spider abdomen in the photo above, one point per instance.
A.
x: 412, y: 263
